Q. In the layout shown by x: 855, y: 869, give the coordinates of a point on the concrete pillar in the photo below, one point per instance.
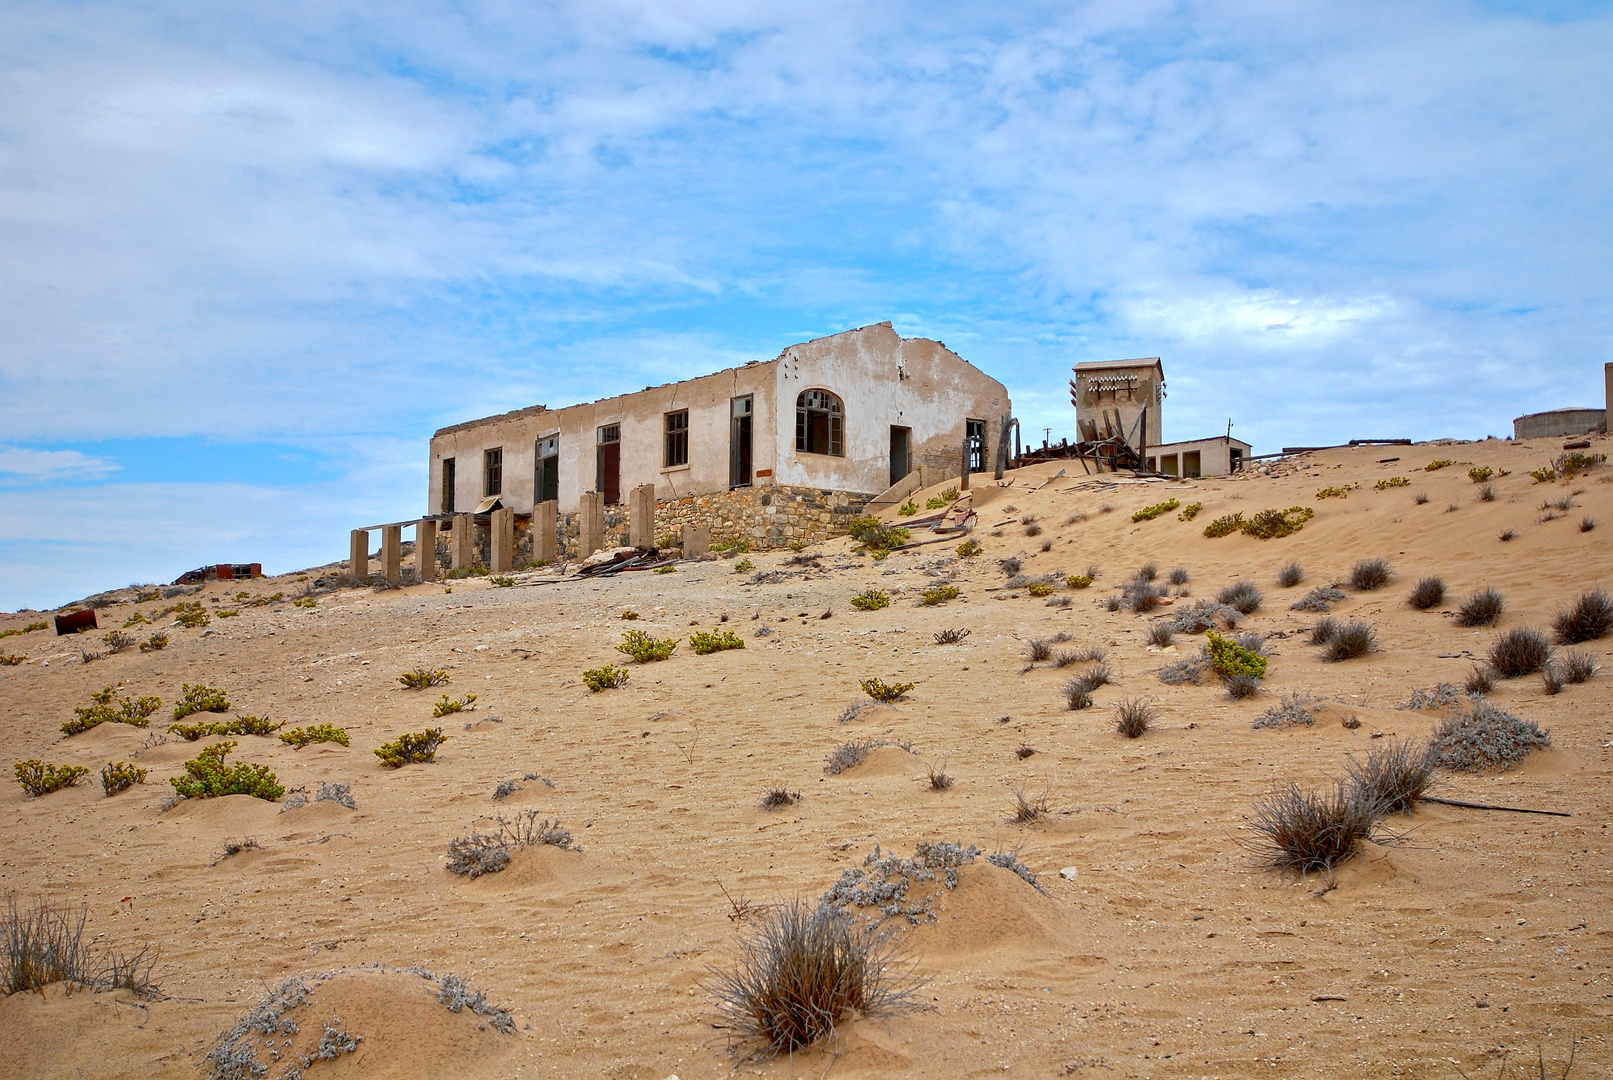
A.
x: 696, y: 541
x: 963, y: 485
x: 545, y: 516
x: 392, y: 553
x: 359, y: 552
x: 425, y: 551
x: 641, y: 516
x: 591, y: 522
x: 1607, y: 374
x: 463, y: 545
x: 502, y: 549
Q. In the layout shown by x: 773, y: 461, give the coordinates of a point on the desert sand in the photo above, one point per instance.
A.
x: 1166, y: 951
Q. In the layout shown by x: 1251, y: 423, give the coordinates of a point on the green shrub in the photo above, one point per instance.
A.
x: 11, y: 659
x: 1224, y: 526
x: 885, y: 693
x: 934, y: 502
x: 1272, y: 524
x: 609, y: 677
x: 448, y: 706
x: 1149, y: 513
x: 154, y: 642
x: 192, y: 614
x: 744, y: 566
x: 41, y: 778
x: 1394, y: 482
x: 500, y: 581
x: 940, y: 594
x: 116, y: 640
x: 1078, y: 581
x: 667, y: 569
x: 206, y: 776
x: 241, y: 725
x: 645, y: 649
x: 416, y: 746
x: 1231, y: 659
x: 30, y: 628
x: 1479, y: 474
x: 798, y: 546
x: 420, y: 678
x: 1575, y: 462
x: 303, y: 602
x: 969, y: 549
x: 1433, y: 466
x: 630, y: 615
x: 1336, y: 492
x: 1543, y: 475
x: 228, y: 613
x: 908, y: 509
x: 314, y: 733
x: 1190, y: 511
x: 877, y: 536
x: 704, y: 643
x: 200, y: 698
x: 871, y: 600
x: 1041, y: 588
x: 135, y: 712
x: 135, y: 620
x: 119, y: 776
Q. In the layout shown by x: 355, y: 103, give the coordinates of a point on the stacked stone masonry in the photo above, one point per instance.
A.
x: 757, y: 517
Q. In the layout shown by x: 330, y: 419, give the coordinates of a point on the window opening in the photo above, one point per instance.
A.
x: 448, y: 485
x: 677, y: 439
x: 492, y: 471
x: 546, y: 485
x: 739, y: 442
x: 819, y: 427
x: 975, y: 432
x: 608, y: 464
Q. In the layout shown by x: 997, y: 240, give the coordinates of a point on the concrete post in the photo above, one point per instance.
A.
x: 359, y: 552
x: 696, y: 541
x: 502, y: 553
x: 591, y: 524
x: 545, y: 516
x: 425, y: 551
x: 641, y: 516
x: 463, y: 547
x: 963, y: 485
x: 392, y: 553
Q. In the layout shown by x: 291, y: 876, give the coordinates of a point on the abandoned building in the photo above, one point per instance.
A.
x: 763, y: 454
x: 1124, y: 400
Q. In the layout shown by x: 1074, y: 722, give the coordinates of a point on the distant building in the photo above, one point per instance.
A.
x: 1558, y: 423
x: 1126, y: 398
x: 775, y: 450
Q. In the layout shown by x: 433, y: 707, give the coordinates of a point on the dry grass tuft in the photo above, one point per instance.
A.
x: 1242, y: 686
x: 1134, y: 717
x: 1519, y: 652
x: 1429, y: 592
x: 1370, y: 574
x: 1352, y: 640
x: 1161, y: 633
x: 1590, y: 617
x: 802, y: 971
x: 1029, y: 808
x: 940, y: 779
x: 1312, y: 830
x: 1479, y: 682
x: 1244, y: 597
x: 1483, y: 608
x: 46, y: 944
x: 1290, y: 575
x: 778, y: 798
x: 1394, y: 775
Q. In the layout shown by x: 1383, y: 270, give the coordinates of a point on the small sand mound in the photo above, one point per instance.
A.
x: 534, y: 866
x: 990, y: 909
x: 887, y: 761
x: 235, y: 814
x: 371, y: 1022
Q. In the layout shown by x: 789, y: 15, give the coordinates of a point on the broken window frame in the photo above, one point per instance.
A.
x: 975, y: 432
x: 819, y: 423
x: 675, y: 452
x: 492, y: 471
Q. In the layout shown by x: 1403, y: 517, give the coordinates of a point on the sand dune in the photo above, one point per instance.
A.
x: 1168, y: 952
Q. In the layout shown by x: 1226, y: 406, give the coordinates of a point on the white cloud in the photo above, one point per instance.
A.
x: 20, y: 464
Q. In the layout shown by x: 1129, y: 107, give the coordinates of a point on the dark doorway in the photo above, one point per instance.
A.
x: 901, y: 453
x: 975, y: 431
x: 448, y: 485
x: 1235, y: 458
x: 546, y: 485
x: 608, y: 474
x: 739, y: 443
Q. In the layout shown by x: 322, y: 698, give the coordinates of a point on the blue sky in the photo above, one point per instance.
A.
x: 255, y: 254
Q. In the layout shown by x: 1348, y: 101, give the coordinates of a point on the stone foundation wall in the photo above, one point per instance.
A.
x: 760, y: 517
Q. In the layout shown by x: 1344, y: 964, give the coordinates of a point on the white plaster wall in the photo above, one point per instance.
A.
x: 865, y: 368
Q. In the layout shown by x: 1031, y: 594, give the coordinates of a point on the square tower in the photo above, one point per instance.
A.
x: 1110, y: 395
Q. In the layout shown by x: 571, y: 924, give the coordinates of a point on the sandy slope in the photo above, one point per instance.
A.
x: 1168, y: 954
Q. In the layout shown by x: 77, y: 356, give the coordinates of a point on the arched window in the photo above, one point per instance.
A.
x: 819, y: 427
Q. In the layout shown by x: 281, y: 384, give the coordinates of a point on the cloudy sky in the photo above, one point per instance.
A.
x: 253, y: 255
